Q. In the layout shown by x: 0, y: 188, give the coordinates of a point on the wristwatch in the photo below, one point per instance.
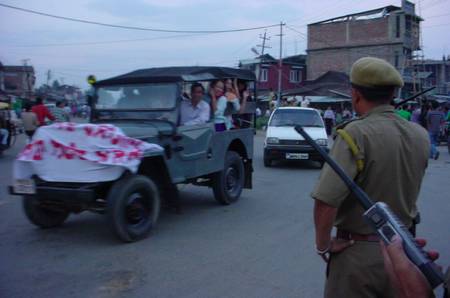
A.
x: 325, y: 253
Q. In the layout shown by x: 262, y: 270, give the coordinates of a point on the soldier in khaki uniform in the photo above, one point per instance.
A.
x: 388, y: 163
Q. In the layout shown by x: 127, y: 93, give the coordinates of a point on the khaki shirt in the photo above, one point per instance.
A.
x: 395, y: 154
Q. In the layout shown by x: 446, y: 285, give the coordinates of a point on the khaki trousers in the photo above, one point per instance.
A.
x: 358, y: 271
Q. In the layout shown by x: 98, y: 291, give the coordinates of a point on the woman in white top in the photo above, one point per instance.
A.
x: 219, y: 103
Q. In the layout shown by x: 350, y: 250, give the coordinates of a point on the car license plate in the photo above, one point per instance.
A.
x: 297, y: 156
x: 24, y: 186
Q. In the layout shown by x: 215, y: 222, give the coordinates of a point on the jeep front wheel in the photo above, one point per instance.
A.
x: 41, y: 215
x: 133, y: 205
x: 228, y: 183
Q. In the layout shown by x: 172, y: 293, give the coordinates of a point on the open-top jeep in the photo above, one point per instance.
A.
x: 145, y: 105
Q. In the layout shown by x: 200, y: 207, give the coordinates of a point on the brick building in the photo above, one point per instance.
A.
x: 293, y: 71
x: 17, y: 80
x: 435, y: 73
x: 390, y: 33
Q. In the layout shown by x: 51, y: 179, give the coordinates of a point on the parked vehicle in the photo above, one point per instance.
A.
x: 145, y: 104
x: 284, y: 143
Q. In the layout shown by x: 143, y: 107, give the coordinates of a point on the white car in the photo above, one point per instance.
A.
x: 284, y: 143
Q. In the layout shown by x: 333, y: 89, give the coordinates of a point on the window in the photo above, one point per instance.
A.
x: 295, y: 76
x: 396, y: 62
x: 397, y: 27
x: 293, y: 117
x: 264, y: 75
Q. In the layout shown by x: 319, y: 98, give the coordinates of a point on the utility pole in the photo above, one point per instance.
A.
x: 49, y: 76
x: 263, y: 46
x: 280, y: 64
x: 26, y: 77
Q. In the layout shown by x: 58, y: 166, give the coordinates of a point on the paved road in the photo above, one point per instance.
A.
x: 260, y: 247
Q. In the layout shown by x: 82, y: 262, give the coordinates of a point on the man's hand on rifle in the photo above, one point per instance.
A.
x: 404, y: 275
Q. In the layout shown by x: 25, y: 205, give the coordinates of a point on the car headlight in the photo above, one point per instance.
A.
x: 322, y: 142
x: 273, y: 141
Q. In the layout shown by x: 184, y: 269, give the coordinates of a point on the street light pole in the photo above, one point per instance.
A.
x: 280, y: 65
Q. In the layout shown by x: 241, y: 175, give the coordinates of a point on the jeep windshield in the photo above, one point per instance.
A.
x: 293, y: 117
x: 137, y: 97
x: 136, y: 102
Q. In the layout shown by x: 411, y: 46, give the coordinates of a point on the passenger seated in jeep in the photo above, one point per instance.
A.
x: 195, y: 110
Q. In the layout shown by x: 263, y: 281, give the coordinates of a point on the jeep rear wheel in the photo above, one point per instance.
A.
x: 133, y: 205
x: 228, y: 183
x: 42, y: 215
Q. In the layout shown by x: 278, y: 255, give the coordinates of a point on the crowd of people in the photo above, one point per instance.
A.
x: 224, y: 103
x: 429, y: 114
x: 30, y: 117
x: 432, y: 117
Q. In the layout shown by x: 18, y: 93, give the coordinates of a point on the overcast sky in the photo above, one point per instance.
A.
x: 73, y: 50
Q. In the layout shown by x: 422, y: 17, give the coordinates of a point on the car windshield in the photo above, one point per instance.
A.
x: 293, y: 117
x: 137, y: 97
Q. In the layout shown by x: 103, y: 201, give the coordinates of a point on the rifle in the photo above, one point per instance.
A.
x: 381, y: 218
x: 413, y: 97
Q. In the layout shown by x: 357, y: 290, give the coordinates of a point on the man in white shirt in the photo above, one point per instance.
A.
x: 196, y: 110
x: 305, y: 102
x: 330, y: 120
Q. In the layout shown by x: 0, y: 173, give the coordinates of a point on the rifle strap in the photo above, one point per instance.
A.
x: 353, y: 148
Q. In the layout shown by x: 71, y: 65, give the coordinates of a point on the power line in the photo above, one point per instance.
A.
x: 432, y: 4
x: 104, y: 42
x: 130, y: 27
x: 436, y: 25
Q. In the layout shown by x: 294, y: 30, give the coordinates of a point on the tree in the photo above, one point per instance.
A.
x: 55, y: 84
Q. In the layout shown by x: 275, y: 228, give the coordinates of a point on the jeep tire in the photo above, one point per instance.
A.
x: 132, y: 207
x: 43, y: 216
x: 267, y: 161
x: 228, y: 184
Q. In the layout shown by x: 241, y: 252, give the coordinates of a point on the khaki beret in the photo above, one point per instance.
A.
x: 373, y: 72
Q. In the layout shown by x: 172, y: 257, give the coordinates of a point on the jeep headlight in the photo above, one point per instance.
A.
x: 322, y: 142
x: 273, y: 141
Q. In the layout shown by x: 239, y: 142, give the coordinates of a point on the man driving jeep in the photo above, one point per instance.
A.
x: 195, y: 110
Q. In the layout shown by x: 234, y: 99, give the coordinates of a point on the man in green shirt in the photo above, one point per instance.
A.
x: 405, y: 114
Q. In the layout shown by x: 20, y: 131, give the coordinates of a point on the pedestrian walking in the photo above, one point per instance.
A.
x: 330, y: 120
x: 4, y: 129
x: 346, y: 114
x: 60, y: 113
x: 423, y: 114
x: 415, y: 115
x: 30, y: 121
x: 42, y: 112
x: 435, y: 119
x: 355, y: 265
x: 305, y: 103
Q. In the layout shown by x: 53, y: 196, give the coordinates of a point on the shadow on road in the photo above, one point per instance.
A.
x: 295, y: 165
x: 91, y: 230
